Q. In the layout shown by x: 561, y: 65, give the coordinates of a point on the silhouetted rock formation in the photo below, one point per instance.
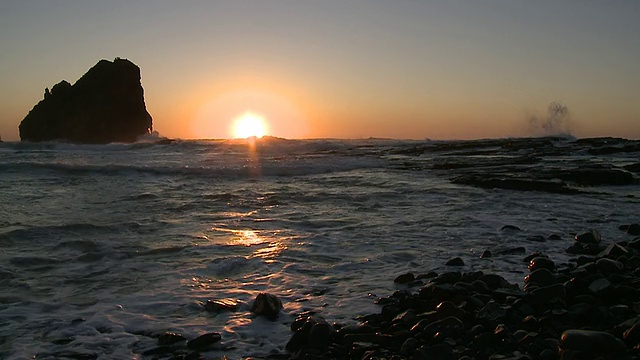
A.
x: 105, y: 105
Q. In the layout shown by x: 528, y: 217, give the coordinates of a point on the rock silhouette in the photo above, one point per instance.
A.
x: 105, y: 105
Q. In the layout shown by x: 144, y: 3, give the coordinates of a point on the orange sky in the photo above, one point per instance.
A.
x: 429, y: 69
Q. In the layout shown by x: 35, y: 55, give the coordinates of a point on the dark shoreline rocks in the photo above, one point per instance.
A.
x: 105, y: 105
x: 586, y: 309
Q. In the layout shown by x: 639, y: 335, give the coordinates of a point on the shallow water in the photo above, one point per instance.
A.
x: 104, y: 247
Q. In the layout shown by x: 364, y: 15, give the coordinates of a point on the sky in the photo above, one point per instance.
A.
x: 404, y: 69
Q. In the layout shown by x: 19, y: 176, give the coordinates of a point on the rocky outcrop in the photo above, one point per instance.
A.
x: 105, y: 105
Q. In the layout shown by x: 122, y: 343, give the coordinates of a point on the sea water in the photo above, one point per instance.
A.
x: 104, y: 247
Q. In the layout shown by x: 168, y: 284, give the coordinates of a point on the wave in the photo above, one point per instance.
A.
x: 269, y: 167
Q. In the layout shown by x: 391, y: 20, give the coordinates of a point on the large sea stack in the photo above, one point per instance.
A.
x: 105, y: 105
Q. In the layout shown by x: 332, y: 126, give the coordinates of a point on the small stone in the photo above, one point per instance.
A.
x: 486, y: 254
x: 589, y: 237
x: 170, y: 338
x: 555, y: 237
x: 204, y: 341
x: 457, y: 261
x: 405, y: 278
x: 267, y: 305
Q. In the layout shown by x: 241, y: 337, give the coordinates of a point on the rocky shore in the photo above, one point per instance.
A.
x: 586, y: 309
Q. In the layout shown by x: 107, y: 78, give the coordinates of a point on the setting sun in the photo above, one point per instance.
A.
x: 248, y: 125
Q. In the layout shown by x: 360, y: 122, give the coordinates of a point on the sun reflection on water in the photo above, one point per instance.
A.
x: 268, y: 245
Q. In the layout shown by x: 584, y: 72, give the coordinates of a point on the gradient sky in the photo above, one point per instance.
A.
x: 345, y: 69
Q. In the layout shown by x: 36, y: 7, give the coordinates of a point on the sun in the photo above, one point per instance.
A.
x: 249, y: 124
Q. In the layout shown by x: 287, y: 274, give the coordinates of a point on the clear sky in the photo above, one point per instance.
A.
x: 345, y: 69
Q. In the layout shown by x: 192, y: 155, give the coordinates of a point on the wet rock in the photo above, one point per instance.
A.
x: 614, y: 251
x: 219, y: 305
x: 633, y: 229
x: 589, y: 237
x: 447, y: 327
x: 409, y: 346
x: 584, y: 249
x: 608, y: 266
x: 541, y: 263
x: 486, y: 254
x: 170, y: 338
x: 541, y: 277
x: 204, y: 341
x: 510, y: 228
x: 266, y: 305
x: 585, y: 344
x: 602, y: 287
x: 404, y: 278
x: 457, y: 261
x: 494, y: 281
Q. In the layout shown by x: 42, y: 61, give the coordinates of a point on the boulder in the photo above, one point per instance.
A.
x: 105, y: 105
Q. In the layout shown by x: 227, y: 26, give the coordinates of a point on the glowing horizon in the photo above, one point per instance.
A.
x: 429, y: 69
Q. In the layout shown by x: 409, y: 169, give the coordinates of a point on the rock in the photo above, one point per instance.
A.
x: 633, y: 229
x: 608, y: 266
x: 586, y: 344
x: 170, y: 338
x: 409, y: 346
x: 105, y: 105
x: 541, y: 277
x: 219, y: 305
x: 204, y: 341
x: 510, y: 228
x: 486, y: 254
x: 589, y: 237
x: 541, y: 263
x: 632, y: 335
x: 266, y: 305
x: 457, y: 261
x: 404, y: 278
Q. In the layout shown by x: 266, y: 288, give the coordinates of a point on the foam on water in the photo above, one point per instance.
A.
x: 106, y: 247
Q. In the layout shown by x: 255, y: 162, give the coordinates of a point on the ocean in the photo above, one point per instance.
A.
x: 104, y: 247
